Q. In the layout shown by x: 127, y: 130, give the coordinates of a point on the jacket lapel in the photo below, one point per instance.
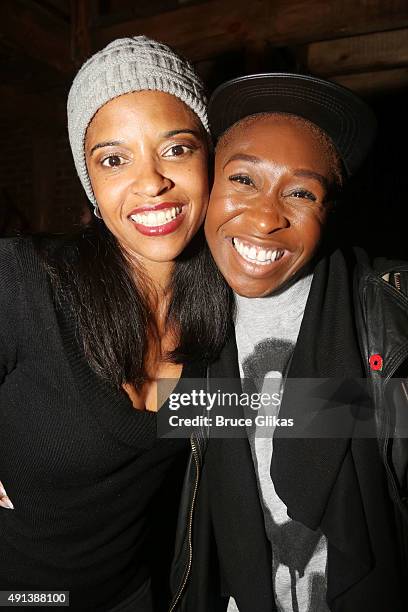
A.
x: 236, y: 509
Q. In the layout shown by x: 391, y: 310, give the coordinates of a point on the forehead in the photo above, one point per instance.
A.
x: 276, y: 138
x: 150, y: 109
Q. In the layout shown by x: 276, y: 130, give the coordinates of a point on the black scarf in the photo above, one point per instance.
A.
x: 316, y: 478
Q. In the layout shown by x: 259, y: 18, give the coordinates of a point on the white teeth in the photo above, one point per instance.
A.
x: 253, y: 253
x: 155, y: 218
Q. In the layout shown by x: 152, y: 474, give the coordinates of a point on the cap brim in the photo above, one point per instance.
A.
x: 346, y: 119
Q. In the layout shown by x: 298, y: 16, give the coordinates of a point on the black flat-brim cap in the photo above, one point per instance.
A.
x: 346, y: 119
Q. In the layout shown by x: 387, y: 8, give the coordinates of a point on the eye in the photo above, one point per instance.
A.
x: 303, y: 194
x: 243, y: 179
x: 112, y: 161
x: 177, y: 151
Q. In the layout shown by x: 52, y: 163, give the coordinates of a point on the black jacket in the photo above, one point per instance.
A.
x: 353, y: 489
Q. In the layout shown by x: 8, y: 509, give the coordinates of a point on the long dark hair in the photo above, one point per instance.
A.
x: 113, y: 312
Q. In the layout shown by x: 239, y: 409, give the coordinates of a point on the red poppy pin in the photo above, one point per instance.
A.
x: 376, y: 362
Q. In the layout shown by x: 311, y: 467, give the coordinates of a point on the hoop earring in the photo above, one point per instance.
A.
x: 96, y: 211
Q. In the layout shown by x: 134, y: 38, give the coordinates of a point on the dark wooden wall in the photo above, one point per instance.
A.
x: 362, y: 44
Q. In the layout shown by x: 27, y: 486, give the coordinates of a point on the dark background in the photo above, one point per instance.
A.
x: 362, y: 45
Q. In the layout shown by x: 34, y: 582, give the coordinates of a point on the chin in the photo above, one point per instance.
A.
x: 253, y: 290
x: 161, y: 258
x: 254, y: 293
x: 244, y: 289
x: 248, y: 294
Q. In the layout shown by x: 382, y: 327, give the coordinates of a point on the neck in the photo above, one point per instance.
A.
x: 157, y: 286
x: 159, y: 273
x: 156, y: 283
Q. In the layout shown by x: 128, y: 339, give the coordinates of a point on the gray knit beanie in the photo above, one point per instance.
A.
x: 126, y: 65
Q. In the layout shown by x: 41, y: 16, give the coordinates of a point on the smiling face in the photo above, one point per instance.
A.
x: 269, y: 202
x: 146, y: 154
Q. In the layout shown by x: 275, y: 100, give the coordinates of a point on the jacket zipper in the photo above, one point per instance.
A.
x: 397, y: 280
x: 393, y: 279
x: 190, y: 526
x: 385, y: 436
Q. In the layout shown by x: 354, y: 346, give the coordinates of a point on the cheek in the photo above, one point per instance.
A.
x: 201, y: 190
x: 197, y: 172
x: 109, y: 190
x: 193, y: 182
x: 223, y: 208
x: 214, y: 218
x: 198, y: 196
x: 311, y: 238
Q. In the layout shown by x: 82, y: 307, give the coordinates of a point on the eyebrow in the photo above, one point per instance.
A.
x: 243, y: 157
x: 106, y: 143
x: 171, y: 133
x: 314, y: 175
x: 301, y: 172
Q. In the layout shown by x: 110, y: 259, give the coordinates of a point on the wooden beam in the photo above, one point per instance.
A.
x: 300, y: 21
x: 38, y: 35
x: 201, y: 31
x: 80, y: 35
x: 358, y: 53
x: 208, y: 29
x: 369, y: 83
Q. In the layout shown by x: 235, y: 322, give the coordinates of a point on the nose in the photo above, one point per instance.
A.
x: 150, y: 180
x: 268, y: 217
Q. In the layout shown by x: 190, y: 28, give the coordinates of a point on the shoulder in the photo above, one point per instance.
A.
x: 21, y: 272
x: 15, y: 251
x: 8, y: 250
x: 379, y: 269
x: 10, y: 268
x: 26, y: 264
x: 33, y: 252
x: 12, y: 300
x: 377, y: 265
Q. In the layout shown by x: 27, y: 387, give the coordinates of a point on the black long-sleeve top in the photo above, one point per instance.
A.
x: 84, y: 469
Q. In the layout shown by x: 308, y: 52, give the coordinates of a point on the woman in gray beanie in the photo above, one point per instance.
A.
x: 88, y: 325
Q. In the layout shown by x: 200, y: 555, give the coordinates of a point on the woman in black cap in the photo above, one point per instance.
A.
x: 312, y: 521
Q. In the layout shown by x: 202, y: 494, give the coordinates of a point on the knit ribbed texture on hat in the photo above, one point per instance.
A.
x: 124, y: 66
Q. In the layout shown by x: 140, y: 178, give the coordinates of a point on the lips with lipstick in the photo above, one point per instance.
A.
x: 158, y: 220
x: 256, y: 254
